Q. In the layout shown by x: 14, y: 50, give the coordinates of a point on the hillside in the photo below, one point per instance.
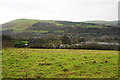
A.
x: 100, y: 22
x: 21, y: 24
x: 37, y: 28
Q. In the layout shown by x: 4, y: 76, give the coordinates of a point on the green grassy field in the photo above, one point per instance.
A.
x: 59, y: 63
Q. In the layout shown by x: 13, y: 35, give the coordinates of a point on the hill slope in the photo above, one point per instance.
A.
x: 100, y: 22
x: 21, y: 24
x: 36, y: 28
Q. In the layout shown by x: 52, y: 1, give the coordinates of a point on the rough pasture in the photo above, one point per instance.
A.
x: 59, y: 63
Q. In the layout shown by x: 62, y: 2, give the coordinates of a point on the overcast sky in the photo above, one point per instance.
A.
x: 70, y: 10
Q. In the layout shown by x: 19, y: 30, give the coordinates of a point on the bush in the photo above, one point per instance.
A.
x: 36, y: 46
x: 99, y: 47
x: 7, y: 41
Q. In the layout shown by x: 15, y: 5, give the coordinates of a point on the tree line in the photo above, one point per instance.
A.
x: 54, y: 42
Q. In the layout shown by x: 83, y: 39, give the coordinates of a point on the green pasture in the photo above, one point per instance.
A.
x: 59, y: 63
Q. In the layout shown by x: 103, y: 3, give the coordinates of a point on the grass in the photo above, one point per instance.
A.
x: 40, y: 31
x: 20, y: 25
x: 60, y: 31
x: 59, y: 24
x: 59, y: 63
x: 94, y: 26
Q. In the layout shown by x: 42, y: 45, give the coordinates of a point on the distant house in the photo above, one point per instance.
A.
x: 62, y: 46
x: 26, y: 44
